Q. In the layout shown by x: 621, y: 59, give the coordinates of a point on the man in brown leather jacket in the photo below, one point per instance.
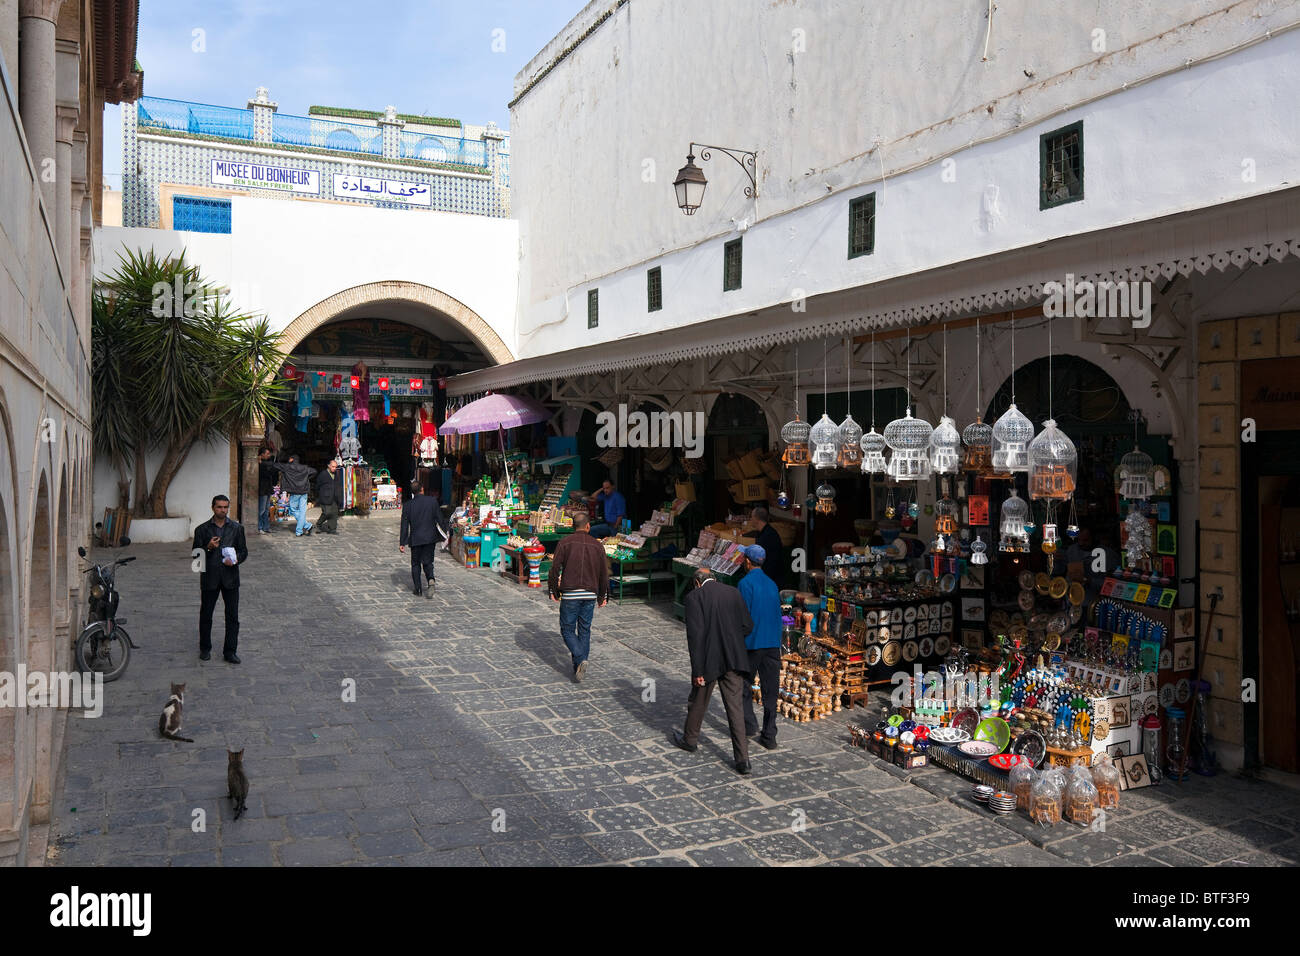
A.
x: 579, y: 580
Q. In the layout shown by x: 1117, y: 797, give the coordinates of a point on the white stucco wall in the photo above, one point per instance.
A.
x: 282, y: 258
x: 654, y: 76
x: 206, y: 472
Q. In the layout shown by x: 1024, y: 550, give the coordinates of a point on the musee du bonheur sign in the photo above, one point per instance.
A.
x: 382, y: 190
x: 226, y: 173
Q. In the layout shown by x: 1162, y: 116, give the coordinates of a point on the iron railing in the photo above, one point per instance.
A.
x: 442, y: 149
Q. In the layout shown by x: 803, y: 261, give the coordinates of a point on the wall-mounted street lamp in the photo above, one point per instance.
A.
x: 690, y: 181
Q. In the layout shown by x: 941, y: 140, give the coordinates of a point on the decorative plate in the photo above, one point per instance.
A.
x: 883, y: 634
x: 873, y: 655
x: 1101, y: 730
x: 993, y: 730
x: 1167, y: 694
x: 909, y: 631
x: 1183, y: 691
x: 948, y: 583
x: 1058, y: 622
x: 942, y: 644
x: 927, y: 646
x: 898, y: 550
x: 924, y: 579
x: 1006, y: 761
x: 892, y: 652
x: 872, y: 618
x: 948, y: 736
x: 1031, y: 745
x: 1052, y: 641
x: 1076, y: 594
x: 922, y: 612
x: 1058, y: 587
x: 1026, y: 580
x: 977, y: 748
x: 896, y: 616
x: 910, y: 650
x: 966, y: 720
x: 1026, y: 600
x: 1042, y: 582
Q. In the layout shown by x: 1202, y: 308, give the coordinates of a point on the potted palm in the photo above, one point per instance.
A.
x: 174, y: 365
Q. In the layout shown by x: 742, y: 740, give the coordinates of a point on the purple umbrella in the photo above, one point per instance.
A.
x: 493, y: 412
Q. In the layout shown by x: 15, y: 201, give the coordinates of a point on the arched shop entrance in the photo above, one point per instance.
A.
x: 400, y: 354
x: 736, y: 425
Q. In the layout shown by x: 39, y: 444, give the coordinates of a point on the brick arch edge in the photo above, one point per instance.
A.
x: 375, y: 293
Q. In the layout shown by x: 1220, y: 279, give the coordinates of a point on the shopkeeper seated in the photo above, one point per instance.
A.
x: 613, y: 510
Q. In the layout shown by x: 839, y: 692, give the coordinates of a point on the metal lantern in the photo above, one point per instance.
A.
x: 1015, y: 516
x: 978, y: 439
x: 1011, y: 436
x: 873, y: 453
x: 825, y: 499
x: 977, y: 551
x: 795, y: 436
x: 1053, y: 462
x: 1136, y: 474
x: 945, y: 448
x: 945, y: 516
x: 909, y: 439
x: 850, y: 455
x: 1049, y: 538
x: 825, y: 437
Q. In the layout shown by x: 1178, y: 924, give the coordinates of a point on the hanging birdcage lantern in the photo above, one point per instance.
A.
x: 909, y: 440
x: 825, y: 499
x: 795, y: 436
x: 1053, y: 461
x: 1015, y: 516
x: 825, y: 437
x: 850, y: 455
x: 1011, y: 436
x: 873, y: 453
x: 945, y: 448
x: 978, y: 439
x: 978, y: 551
x: 1136, y: 475
x: 945, y: 516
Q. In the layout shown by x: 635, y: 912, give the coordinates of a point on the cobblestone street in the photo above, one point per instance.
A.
x: 468, y: 744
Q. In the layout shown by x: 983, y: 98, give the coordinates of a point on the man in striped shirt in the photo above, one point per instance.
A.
x: 579, y: 581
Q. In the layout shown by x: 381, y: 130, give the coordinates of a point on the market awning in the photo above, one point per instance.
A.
x: 1250, y: 230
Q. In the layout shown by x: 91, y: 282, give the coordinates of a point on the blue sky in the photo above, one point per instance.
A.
x: 422, y: 56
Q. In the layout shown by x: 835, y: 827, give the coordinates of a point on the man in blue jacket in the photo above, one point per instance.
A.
x: 763, y: 643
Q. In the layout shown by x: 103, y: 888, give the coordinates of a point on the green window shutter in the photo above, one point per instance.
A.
x: 731, y: 256
x: 654, y: 290
x: 862, y: 226
x: 593, y: 308
x: 1060, y: 166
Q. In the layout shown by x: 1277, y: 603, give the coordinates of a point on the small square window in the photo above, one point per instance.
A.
x: 654, y: 290
x: 1060, y: 166
x: 862, y: 226
x: 731, y: 266
x: 593, y: 308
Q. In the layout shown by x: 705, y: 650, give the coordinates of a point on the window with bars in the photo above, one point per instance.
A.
x: 1060, y: 166
x: 731, y: 266
x: 593, y: 308
x: 862, y: 226
x: 654, y: 290
x: 200, y: 214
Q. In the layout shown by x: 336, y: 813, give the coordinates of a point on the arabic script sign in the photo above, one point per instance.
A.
x: 385, y: 190
x: 225, y: 173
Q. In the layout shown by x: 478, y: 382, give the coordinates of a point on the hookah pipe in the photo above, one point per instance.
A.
x: 1200, y: 659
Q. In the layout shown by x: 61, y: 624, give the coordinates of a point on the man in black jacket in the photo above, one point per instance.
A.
x: 717, y: 621
x: 329, y: 495
x: 219, y: 544
x: 421, y: 523
x: 266, y: 476
x: 296, y: 481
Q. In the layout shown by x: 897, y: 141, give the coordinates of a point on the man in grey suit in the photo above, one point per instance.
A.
x: 717, y: 621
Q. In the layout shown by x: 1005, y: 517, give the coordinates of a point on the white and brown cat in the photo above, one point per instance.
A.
x: 169, y: 724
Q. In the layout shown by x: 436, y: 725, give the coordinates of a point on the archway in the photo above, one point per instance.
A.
x: 736, y: 425
x: 62, y: 598
x: 37, y: 759
x: 11, y: 727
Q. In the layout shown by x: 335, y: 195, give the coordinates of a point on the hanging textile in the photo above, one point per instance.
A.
x: 361, y: 392
x: 304, y: 406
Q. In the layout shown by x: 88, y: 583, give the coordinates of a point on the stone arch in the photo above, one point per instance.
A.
x: 394, y: 290
x: 10, y: 637
x: 61, y: 607
x: 36, y: 751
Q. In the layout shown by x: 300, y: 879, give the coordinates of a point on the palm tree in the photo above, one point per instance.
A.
x: 174, y: 365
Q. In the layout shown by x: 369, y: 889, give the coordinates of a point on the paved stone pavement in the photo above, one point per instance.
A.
x: 468, y: 744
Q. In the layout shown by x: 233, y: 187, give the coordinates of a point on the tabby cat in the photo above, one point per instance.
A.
x: 237, y: 781
x: 169, y: 724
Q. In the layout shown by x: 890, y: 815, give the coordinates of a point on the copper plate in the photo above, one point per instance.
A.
x: 873, y: 655
x: 1052, y: 641
x: 1019, y: 633
x: 892, y: 652
x: 1027, y: 580
x: 1076, y: 593
x: 910, y: 651
x: 1042, y: 582
x: 1026, y: 600
x: 1058, y: 587
x: 942, y: 644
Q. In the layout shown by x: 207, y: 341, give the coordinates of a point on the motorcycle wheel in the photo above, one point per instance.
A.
x: 107, y: 655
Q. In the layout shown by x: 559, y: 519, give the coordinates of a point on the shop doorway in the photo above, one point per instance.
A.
x: 736, y: 425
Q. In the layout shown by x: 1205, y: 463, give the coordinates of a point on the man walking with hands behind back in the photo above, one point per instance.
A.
x: 221, y: 541
x: 421, y: 521
x: 329, y: 496
x: 716, y: 624
x: 579, y: 580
